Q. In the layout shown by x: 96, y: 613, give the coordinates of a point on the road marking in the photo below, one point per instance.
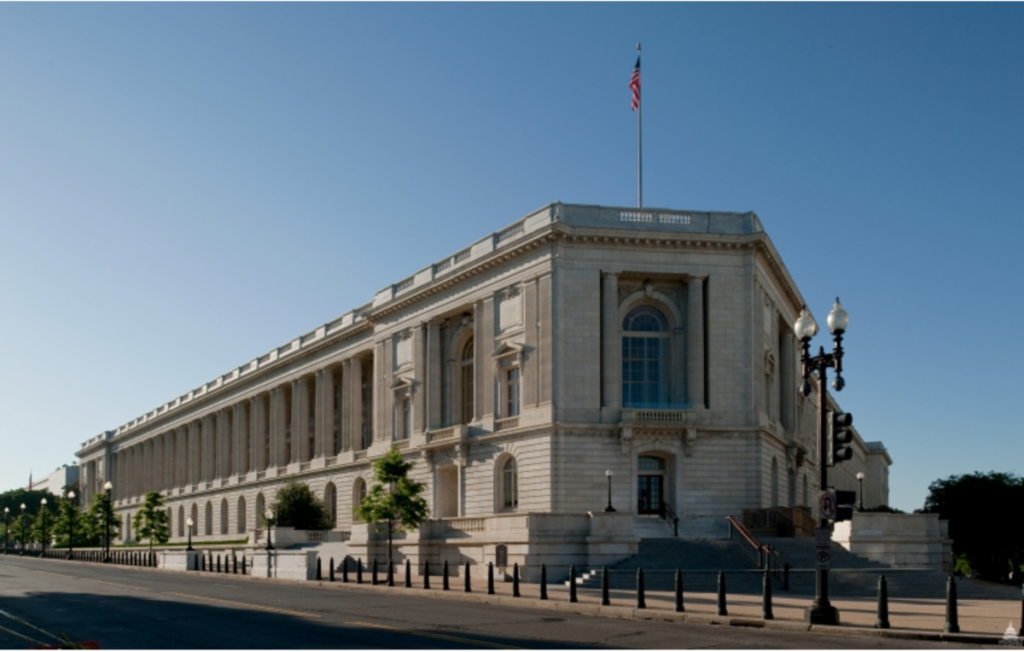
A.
x: 247, y: 605
x: 443, y: 637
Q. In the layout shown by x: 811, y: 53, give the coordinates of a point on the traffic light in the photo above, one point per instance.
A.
x: 842, y: 437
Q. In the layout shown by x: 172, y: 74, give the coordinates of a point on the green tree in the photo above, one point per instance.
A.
x: 295, y: 506
x: 980, y: 509
x: 150, y: 522
x: 40, y: 527
x: 393, y: 501
x: 101, y: 515
x: 70, y: 520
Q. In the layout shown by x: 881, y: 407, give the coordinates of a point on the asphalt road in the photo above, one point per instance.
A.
x: 119, y: 607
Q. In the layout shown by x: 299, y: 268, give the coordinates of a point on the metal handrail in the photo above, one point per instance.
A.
x: 668, y: 513
x: 762, y: 553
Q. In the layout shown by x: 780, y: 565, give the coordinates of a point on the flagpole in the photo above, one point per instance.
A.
x: 639, y: 146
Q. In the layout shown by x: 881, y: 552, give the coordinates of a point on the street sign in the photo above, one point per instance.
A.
x: 821, y: 558
x: 822, y: 537
x: 827, y: 504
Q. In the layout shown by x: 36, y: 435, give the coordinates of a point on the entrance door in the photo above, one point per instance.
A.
x: 649, y: 493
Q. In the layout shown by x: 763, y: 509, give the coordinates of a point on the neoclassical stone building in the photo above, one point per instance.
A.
x: 655, y: 344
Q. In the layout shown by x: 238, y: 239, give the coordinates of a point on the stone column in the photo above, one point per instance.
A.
x: 419, y: 386
x: 433, y: 375
x: 381, y: 401
x: 355, y: 404
x: 695, y: 342
x: 241, y: 437
x: 484, y: 363
x: 279, y: 428
x: 300, y: 420
x: 611, y: 348
x: 257, y: 441
x: 345, y: 419
x: 195, y: 454
x: 327, y: 446
x: 209, y: 448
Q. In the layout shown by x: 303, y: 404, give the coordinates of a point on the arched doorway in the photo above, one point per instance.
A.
x: 651, y: 485
x: 331, y: 501
x: 447, y: 492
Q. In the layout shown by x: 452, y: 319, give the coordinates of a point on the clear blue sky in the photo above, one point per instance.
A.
x: 185, y: 186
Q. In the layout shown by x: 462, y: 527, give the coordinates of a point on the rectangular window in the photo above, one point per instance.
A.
x: 513, y: 392
x: 406, y: 418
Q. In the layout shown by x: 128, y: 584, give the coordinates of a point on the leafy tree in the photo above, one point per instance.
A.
x: 70, y: 520
x: 981, y: 510
x: 100, y: 514
x: 295, y: 506
x: 394, y: 500
x: 150, y: 522
x: 40, y: 528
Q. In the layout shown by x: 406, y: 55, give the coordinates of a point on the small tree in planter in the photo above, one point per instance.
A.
x: 295, y: 506
x: 150, y: 522
x: 394, y: 501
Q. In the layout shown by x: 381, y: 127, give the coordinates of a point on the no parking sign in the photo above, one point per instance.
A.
x: 827, y: 505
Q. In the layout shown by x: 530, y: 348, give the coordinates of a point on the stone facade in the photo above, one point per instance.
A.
x: 504, y: 371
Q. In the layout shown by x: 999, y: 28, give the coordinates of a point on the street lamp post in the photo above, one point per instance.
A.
x: 860, y: 492
x: 7, y: 516
x: 270, y: 515
x: 71, y: 524
x: 608, y: 474
x: 188, y: 524
x: 821, y: 611
x: 22, y: 552
x: 42, y: 542
x: 107, y: 486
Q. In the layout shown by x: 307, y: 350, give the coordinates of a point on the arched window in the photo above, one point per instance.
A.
x: 241, y: 515
x: 195, y: 518
x: 645, y: 377
x: 775, y: 482
x: 208, y: 529
x: 466, y: 380
x: 358, y: 495
x: 510, y: 484
x: 261, y: 510
x: 224, y: 516
x: 181, y: 520
x: 331, y: 501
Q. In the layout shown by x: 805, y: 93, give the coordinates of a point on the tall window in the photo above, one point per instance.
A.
x: 466, y: 381
x: 510, y: 484
x: 406, y: 418
x: 645, y: 377
x: 513, y: 392
x: 367, y: 389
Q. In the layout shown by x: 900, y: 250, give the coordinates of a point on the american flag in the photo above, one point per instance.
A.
x: 634, y: 84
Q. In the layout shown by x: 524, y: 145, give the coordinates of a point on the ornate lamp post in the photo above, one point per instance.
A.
x: 107, y: 486
x: 22, y: 552
x: 188, y: 524
x: 860, y: 493
x: 42, y: 506
x: 71, y: 524
x: 608, y: 474
x: 7, y: 516
x: 270, y: 515
x: 821, y: 611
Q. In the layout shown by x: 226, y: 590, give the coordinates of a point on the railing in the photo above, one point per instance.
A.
x: 760, y: 553
x: 506, y: 424
x: 465, y: 525
x: 316, y: 535
x: 668, y: 514
x: 401, y: 444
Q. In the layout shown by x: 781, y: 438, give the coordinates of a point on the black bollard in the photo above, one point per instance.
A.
x: 766, y: 597
x: 952, y: 621
x: 234, y: 564
x: 785, y: 576
x: 721, y: 595
x: 408, y: 574
x: 243, y: 564
x: 444, y: 577
x: 605, y: 598
x: 490, y: 578
x: 543, y: 582
x: 515, y: 580
x: 679, y: 590
x: 373, y: 582
x: 391, y: 572
x: 572, y: 584
x: 468, y: 589
x: 218, y: 563
x: 641, y: 600
x: 330, y: 571
x: 882, y: 621
x: 359, y: 570
x: 426, y: 573
x: 319, y: 569
x: 344, y: 569
x: 202, y: 562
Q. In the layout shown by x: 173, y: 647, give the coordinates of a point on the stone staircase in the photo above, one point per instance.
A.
x: 851, y: 576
